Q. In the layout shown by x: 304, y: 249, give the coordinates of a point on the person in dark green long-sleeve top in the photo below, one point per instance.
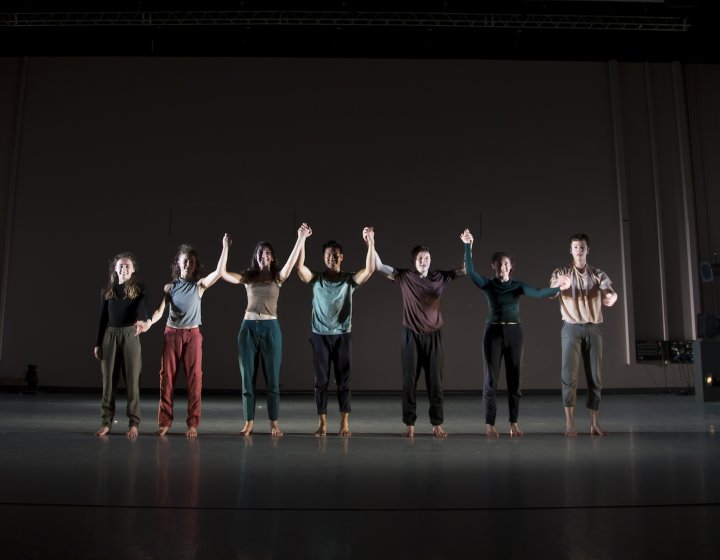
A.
x: 503, y: 336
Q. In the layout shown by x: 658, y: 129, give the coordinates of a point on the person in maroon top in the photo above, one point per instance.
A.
x: 421, y: 340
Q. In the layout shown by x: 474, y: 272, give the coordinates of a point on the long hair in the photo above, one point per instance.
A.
x: 132, y: 288
x: 252, y: 273
x: 189, y: 250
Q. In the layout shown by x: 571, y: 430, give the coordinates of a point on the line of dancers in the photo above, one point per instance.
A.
x: 125, y: 313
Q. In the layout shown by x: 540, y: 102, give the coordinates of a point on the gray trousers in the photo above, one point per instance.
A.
x: 121, y: 357
x: 581, y: 343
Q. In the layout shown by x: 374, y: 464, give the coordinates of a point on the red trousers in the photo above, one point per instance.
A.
x: 180, y: 345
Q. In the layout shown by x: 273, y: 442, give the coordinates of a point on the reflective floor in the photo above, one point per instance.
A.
x: 650, y: 489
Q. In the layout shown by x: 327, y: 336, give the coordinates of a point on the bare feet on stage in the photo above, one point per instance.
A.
x: 438, y: 432
x: 344, y: 426
x: 163, y: 430
x: 409, y: 432
x: 247, y: 428
x: 490, y: 431
x: 570, y: 430
x: 191, y: 432
x: 322, y: 426
x: 275, y: 430
x: 515, y: 430
x: 103, y: 431
x: 132, y: 432
x: 595, y: 427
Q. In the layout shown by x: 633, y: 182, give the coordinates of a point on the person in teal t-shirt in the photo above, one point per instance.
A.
x: 331, y: 337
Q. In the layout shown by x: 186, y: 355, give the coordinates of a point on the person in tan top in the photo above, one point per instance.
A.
x: 260, y: 338
x: 581, y: 339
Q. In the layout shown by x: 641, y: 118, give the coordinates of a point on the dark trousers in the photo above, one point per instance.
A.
x: 260, y: 341
x: 421, y: 352
x: 332, y: 350
x: 581, y: 343
x: 502, y: 341
x: 181, y: 346
x: 120, y: 358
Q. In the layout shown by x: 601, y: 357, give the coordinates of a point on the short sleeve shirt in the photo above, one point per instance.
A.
x: 421, y: 298
x: 332, y: 303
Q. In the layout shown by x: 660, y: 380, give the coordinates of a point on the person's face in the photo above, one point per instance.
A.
x: 579, y: 250
x: 502, y: 268
x: 264, y: 257
x: 187, y: 264
x: 332, y: 258
x: 422, y: 262
x: 124, y: 268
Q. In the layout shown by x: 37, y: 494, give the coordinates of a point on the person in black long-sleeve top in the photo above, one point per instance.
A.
x: 124, y: 307
x: 503, y: 336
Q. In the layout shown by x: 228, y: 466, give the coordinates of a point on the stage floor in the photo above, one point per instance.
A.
x: 651, y: 489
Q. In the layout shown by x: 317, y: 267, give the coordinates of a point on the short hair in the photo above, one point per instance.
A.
x: 417, y: 250
x: 332, y: 244
x: 580, y: 237
x: 500, y: 255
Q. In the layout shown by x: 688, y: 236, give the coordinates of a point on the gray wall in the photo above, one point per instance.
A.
x: 142, y: 154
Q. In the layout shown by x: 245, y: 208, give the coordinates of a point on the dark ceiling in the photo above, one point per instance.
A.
x: 650, y: 30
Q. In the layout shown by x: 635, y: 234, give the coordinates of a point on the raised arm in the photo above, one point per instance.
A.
x: 479, y: 280
x: 231, y: 277
x: 385, y: 269
x: 363, y: 275
x: 304, y: 272
x: 216, y: 274
x: 304, y: 232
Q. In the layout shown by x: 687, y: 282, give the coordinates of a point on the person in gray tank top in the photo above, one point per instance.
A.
x: 182, y: 341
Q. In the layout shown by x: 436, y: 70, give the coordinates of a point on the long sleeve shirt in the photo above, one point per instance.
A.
x: 503, y: 297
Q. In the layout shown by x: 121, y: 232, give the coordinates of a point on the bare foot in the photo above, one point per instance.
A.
x: 163, y: 430
x: 191, y: 432
x: 322, y: 426
x: 344, y: 427
x: 103, y: 431
x: 409, y: 432
x: 515, y: 430
x: 247, y: 428
x: 597, y: 430
x: 275, y: 430
x: 439, y: 432
x: 570, y: 430
x: 490, y: 431
x: 132, y: 432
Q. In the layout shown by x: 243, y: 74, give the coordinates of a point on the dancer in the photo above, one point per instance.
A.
x: 122, y: 303
x: 260, y: 337
x: 503, y: 336
x: 421, y: 338
x: 581, y: 338
x: 331, y: 338
x: 182, y: 340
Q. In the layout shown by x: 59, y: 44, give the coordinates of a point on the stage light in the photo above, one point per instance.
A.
x: 708, y: 380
